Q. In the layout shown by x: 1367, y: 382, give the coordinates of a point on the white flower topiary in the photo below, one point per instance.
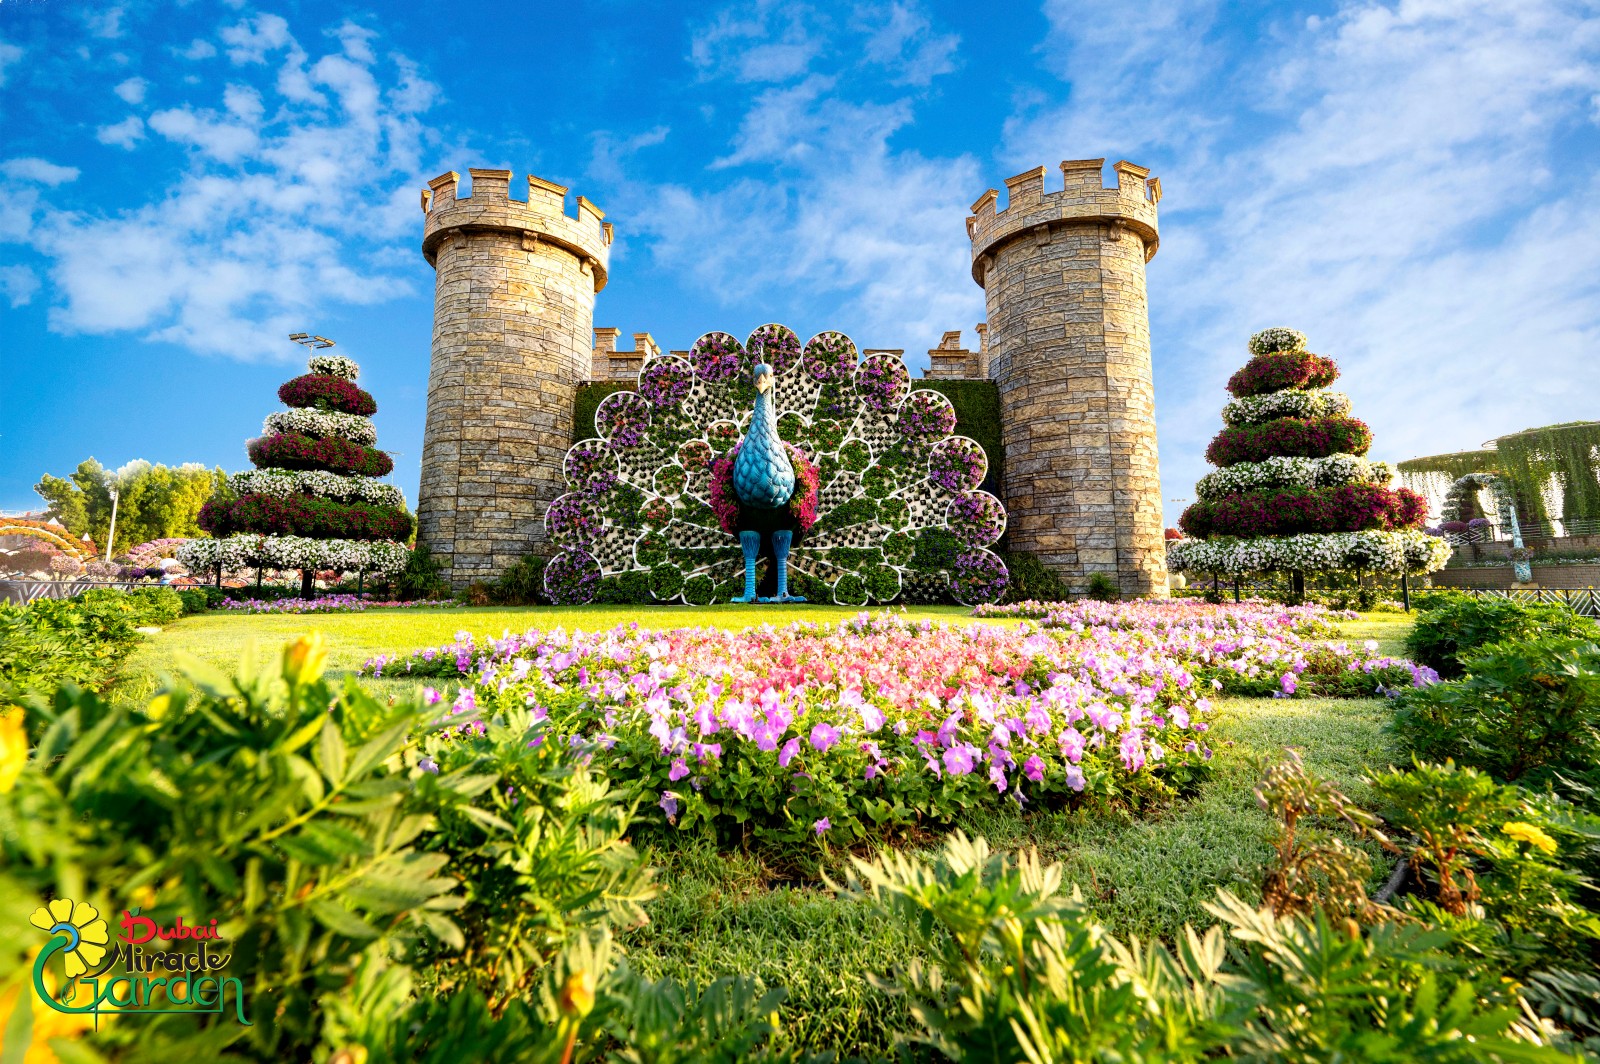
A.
x: 334, y: 366
x: 293, y: 552
x: 1288, y: 472
x: 1410, y: 550
x: 1268, y: 341
x: 322, y: 424
x: 282, y: 483
x: 1254, y: 409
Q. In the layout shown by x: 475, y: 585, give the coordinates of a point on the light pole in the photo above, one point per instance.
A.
x: 111, y: 537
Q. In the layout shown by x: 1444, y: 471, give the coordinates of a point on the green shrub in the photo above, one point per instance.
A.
x: 666, y: 581
x: 522, y: 584
x: 422, y: 578
x: 1491, y: 852
x: 699, y: 590
x: 631, y: 588
x: 1527, y: 711
x: 850, y: 590
x: 1023, y: 973
x: 79, y: 640
x: 1459, y: 626
x: 1031, y: 580
x: 1103, y: 588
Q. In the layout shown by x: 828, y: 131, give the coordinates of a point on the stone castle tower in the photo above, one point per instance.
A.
x: 1069, y: 348
x: 513, y: 315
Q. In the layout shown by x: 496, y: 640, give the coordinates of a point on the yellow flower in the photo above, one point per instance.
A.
x: 47, y: 1022
x: 13, y: 747
x: 85, y: 931
x: 1530, y: 834
x: 304, y: 659
x: 577, y: 994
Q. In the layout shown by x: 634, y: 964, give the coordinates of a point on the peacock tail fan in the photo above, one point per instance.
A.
x: 897, y: 514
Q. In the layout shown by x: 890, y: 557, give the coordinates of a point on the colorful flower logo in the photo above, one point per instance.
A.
x: 85, y: 931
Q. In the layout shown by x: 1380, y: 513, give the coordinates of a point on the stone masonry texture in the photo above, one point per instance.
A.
x: 1069, y: 349
x: 514, y: 293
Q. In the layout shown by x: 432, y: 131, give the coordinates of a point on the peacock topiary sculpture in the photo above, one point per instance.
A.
x: 773, y: 471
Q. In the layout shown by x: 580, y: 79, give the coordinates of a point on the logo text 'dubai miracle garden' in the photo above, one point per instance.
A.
x: 158, y: 974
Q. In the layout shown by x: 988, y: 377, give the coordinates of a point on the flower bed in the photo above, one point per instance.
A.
x: 322, y: 392
x: 880, y: 723
x: 293, y: 451
x: 329, y: 604
x: 1289, y: 436
x: 1291, y: 511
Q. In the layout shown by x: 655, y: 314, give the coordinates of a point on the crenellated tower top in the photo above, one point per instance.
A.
x: 542, y: 217
x: 1130, y: 204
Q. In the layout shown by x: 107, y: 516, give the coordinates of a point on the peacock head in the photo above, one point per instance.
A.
x: 762, y: 377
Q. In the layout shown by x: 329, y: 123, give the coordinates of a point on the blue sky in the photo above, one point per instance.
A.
x: 1413, y: 184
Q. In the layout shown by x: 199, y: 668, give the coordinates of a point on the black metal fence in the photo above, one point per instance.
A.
x: 1584, y: 601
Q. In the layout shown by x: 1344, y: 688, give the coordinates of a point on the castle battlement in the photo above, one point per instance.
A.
x: 610, y: 364
x: 1082, y: 199
x: 952, y: 362
x: 542, y: 217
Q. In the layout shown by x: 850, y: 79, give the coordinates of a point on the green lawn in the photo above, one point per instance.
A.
x: 221, y: 639
x: 724, y: 913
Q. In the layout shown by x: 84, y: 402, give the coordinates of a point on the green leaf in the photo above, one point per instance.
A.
x: 323, y: 843
x: 330, y: 752
x: 341, y: 921
x: 377, y: 749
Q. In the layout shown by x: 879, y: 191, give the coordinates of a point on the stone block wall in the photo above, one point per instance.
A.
x: 1069, y: 349
x: 512, y: 337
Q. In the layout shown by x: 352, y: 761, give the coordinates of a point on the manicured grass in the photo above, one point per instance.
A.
x: 724, y: 913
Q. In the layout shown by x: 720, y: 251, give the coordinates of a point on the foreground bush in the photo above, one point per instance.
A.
x: 375, y: 900
x: 1461, y: 624
x: 1024, y: 974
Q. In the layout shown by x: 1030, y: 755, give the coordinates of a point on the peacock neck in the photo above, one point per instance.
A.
x: 765, y: 418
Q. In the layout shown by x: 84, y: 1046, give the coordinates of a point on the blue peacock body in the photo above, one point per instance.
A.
x: 836, y: 456
x: 762, y: 474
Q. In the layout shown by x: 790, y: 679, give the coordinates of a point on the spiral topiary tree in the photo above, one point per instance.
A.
x: 313, y: 502
x: 886, y: 502
x: 1293, y: 490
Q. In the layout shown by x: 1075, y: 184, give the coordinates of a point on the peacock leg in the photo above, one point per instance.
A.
x: 750, y: 543
x: 780, y: 550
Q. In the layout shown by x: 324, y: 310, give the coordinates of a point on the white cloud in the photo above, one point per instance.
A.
x: 252, y: 40
x: 107, y: 23
x: 38, y: 171
x: 18, y: 285
x: 9, y: 54
x: 768, y: 41
x: 903, y: 39
x: 124, y: 134
x: 132, y: 90
x: 1387, y: 178
x: 199, y: 48
x: 287, y: 207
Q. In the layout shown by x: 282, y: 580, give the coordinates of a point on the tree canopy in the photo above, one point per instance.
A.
x: 154, y: 501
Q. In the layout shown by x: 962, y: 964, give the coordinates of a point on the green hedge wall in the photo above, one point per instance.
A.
x: 587, y: 401
x: 977, y: 406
